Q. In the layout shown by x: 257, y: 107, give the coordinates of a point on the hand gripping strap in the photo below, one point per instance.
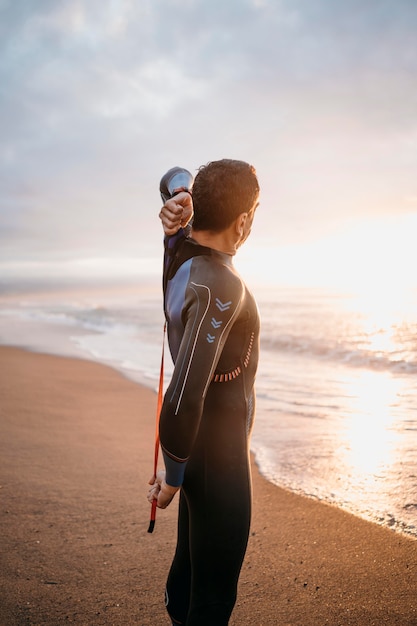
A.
x: 158, y: 413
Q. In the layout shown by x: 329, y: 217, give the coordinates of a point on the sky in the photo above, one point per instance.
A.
x: 98, y: 98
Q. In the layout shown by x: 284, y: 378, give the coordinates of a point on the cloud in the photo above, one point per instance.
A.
x: 99, y: 98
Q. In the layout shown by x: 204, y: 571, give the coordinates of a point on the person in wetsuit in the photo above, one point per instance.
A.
x: 208, y: 408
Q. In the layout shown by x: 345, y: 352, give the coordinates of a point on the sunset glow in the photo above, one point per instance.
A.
x: 372, y: 259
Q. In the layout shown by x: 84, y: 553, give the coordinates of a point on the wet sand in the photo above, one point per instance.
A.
x: 76, y: 447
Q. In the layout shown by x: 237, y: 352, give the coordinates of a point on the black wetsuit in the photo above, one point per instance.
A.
x: 206, y: 419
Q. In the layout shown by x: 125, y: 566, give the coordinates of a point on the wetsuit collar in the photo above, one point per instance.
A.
x: 224, y: 257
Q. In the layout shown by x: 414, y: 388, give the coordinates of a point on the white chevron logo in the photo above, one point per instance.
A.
x: 223, y: 306
x: 215, y: 323
x: 210, y: 338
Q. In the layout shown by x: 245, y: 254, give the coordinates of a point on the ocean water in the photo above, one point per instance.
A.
x: 336, y: 388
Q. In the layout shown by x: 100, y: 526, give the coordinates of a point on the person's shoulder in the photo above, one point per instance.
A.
x: 216, y: 271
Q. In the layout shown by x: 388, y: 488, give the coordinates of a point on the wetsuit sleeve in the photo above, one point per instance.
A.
x: 211, y: 305
x: 171, y: 244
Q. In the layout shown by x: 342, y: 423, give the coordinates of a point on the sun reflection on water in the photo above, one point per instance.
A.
x: 384, y: 326
x: 369, y: 429
x: 340, y: 399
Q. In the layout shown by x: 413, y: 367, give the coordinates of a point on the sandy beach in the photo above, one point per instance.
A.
x: 76, y: 443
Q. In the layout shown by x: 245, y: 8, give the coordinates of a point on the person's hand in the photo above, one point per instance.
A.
x: 161, y: 491
x: 176, y: 213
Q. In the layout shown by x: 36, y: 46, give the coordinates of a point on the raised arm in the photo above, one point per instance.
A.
x: 176, y: 213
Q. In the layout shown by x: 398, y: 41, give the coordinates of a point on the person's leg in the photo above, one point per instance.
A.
x: 218, y: 546
x: 214, y: 517
x: 219, y: 505
x: 177, y: 592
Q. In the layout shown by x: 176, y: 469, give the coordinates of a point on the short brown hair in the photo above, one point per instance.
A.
x: 221, y: 191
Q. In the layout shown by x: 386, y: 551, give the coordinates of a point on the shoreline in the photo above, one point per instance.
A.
x: 72, y: 351
x: 122, y: 331
x: 76, y: 454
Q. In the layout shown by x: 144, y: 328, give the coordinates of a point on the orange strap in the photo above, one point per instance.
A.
x: 158, y: 413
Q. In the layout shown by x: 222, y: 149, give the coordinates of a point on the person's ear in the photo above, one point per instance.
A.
x: 240, y: 223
